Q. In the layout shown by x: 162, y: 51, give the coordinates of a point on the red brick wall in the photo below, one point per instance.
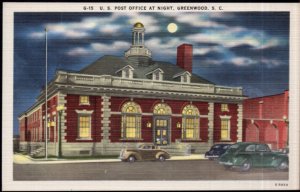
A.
x: 267, y: 132
x: 262, y: 111
x: 51, y: 105
x: 147, y: 106
x: 23, y: 128
x: 233, y: 121
x: 33, y: 126
x: 271, y: 107
x: 72, y: 118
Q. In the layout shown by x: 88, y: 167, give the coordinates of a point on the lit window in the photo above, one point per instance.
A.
x: 225, y: 129
x: 224, y: 107
x: 131, y: 121
x: 190, y: 122
x: 84, y: 100
x: 84, y: 126
x: 162, y: 109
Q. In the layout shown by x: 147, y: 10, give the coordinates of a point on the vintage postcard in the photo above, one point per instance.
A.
x: 150, y: 96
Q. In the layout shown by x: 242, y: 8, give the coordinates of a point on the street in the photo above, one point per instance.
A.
x: 151, y: 170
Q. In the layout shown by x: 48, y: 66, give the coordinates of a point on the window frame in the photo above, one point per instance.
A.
x: 84, y: 113
x: 195, y: 117
x: 225, y: 118
x: 84, y: 103
x: 168, y: 110
x: 137, y: 114
x: 224, y: 107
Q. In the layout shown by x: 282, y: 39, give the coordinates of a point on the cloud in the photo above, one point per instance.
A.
x: 160, y: 47
x: 114, y: 47
x: 195, y: 19
x: 270, y: 63
x: 109, y: 29
x: 206, y: 50
x: 235, y: 36
x: 101, y: 48
x: 104, y: 25
x: 37, y: 35
x: 242, y: 61
x: 79, y: 51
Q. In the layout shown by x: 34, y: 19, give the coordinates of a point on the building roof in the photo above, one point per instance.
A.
x: 109, y: 65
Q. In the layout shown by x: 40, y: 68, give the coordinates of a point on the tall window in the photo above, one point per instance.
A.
x: 131, y: 121
x: 224, y: 107
x: 162, y: 109
x: 225, y: 129
x: 84, y: 100
x: 190, y: 122
x: 84, y: 126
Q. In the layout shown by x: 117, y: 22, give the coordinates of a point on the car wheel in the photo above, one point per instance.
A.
x: 161, y: 158
x: 131, y: 159
x: 246, y: 166
x: 283, y: 166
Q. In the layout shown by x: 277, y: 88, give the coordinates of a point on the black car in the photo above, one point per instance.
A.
x: 216, y: 151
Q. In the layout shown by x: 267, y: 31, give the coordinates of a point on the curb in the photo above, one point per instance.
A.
x: 63, y: 161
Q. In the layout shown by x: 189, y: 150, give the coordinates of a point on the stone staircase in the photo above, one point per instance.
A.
x: 36, y: 152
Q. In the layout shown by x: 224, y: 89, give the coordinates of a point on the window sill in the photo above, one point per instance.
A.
x: 84, y: 104
x: 190, y: 140
x: 137, y: 139
x: 84, y: 139
x: 226, y: 140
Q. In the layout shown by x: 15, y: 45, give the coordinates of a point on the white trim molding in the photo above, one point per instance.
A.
x: 240, y: 123
x: 84, y: 111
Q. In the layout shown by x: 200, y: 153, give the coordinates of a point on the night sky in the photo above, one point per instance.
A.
x: 248, y: 49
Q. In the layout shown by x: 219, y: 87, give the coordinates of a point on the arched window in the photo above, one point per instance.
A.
x: 190, y: 122
x: 162, y: 109
x: 131, y: 121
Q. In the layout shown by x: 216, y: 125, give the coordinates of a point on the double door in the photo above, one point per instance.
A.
x: 161, y: 128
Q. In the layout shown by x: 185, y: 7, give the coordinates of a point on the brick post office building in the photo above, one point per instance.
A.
x: 127, y: 100
x: 266, y: 120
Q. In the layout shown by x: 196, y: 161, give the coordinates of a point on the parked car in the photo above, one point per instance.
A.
x: 246, y: 155
x: 216, y: 151
x: 144, y: 152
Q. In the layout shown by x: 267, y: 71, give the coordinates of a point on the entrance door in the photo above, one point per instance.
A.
x: 161, y: 127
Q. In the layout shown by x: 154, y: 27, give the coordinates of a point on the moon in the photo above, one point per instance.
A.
x: 172, y: 27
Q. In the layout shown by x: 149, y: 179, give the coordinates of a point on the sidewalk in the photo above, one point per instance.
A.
x: 25, y: 159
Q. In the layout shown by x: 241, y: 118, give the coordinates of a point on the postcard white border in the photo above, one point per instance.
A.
x: 7, y: 102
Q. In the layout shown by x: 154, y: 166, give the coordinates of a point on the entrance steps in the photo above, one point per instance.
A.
x: 180, y: 149
x: 36, y: 152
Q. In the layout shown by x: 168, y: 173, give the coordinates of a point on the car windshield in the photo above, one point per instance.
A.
x: 226, y: 146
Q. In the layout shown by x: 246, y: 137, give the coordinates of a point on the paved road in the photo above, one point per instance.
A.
x: 152, y: 170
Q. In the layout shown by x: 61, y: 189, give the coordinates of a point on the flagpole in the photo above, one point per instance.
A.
x: 46, y: 99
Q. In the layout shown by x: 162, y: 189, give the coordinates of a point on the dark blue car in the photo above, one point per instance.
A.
x: 216, y: 151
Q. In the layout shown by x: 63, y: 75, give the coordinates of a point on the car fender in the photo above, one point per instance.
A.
x: 135, y: 154
x: 278, y: 159
x: 162, y: 153
x: 240, y: 159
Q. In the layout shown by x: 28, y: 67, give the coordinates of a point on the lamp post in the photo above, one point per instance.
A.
x: 285, y: 119
x: 60, y: 109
